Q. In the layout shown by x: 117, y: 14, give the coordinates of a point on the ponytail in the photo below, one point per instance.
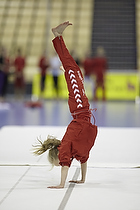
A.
x: 49, y: 144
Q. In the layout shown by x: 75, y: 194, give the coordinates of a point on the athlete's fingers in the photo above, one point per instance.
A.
x: 76, y: 181
x: 62, y: 68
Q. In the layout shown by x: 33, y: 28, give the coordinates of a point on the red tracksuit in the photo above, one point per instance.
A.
x: 99, y: 66
x: 87, y: 65
x: 80, y: 134
x: 19, y: 64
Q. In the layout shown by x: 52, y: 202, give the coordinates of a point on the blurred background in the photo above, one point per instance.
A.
x: 104, y: 41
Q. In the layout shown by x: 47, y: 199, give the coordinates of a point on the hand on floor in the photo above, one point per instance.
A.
x: 77, y: 181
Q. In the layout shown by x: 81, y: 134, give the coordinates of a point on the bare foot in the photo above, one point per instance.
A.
x: 57, y: 31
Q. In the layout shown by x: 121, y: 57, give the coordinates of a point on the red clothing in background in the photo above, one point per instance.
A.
x: 19, y: 64
x: 99, y: 67
x: 87, y: 65
x: 43, y: 64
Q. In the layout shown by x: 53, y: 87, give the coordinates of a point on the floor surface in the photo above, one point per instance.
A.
x: 113, y: 176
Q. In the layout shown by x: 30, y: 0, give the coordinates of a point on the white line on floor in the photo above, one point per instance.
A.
x: 69, y: 191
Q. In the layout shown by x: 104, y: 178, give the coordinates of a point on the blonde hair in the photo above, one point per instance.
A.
x: 50, y: 144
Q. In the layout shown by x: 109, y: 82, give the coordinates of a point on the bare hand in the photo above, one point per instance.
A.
x: 77, y: 181
x: 62, y: 68
x: 56, y: 187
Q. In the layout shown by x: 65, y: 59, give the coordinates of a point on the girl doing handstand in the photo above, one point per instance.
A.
x: 81, y: 133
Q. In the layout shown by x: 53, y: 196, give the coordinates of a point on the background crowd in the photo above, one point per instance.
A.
x: 93, y: 67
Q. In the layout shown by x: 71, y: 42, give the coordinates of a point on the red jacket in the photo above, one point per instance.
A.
x: 99, y: 67
x: 19, y: 63
x: 43, y: 64
x: 87, y: 65
x: 80, y: 135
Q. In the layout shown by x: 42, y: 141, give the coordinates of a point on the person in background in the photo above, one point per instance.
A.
x: 99, y: 68
x: 43, y: 66
x: 87, y: 64
x: 88, y: 72
x: 55, y: 64
x: 75, y: 56
x: 19, y: 65
x: 4, y: 72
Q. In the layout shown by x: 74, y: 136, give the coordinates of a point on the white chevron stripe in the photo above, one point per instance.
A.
x: 74, y: 86
x: 70, y: 71
x: 79, y: 105
x: 72, y: 76
x: 73, y: 80
x: 76, y: 90
x: 77, y: 95
x: 79, y: 100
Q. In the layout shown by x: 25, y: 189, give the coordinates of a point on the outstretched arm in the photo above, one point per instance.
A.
x: 83, y: 174
x: 64, y: 172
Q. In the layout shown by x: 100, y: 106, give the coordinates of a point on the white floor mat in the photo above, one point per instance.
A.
x: 112, y: 179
